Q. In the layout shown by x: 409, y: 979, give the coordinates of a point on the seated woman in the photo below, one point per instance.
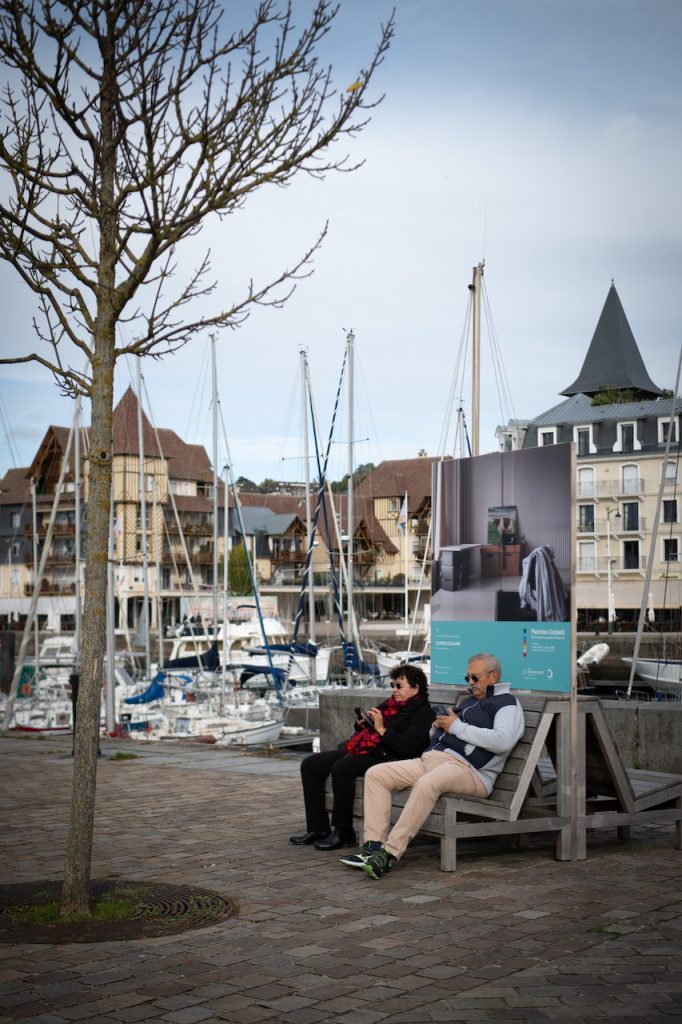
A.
x: 396, y: 730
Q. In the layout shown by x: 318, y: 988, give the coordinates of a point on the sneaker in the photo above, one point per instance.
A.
x: 378, y: 864
x: 358, y: 859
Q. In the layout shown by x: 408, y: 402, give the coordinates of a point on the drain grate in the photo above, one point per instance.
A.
x: 155, y: 909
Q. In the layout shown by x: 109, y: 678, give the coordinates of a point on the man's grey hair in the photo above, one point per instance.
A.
x: 491, y: 663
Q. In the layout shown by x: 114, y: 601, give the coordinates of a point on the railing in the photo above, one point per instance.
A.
x: 618, y: 526
x: 600, y: 564
x: 49, y: 588
x: 610, y: 488
x: 188, y: 528
x: 288, y: 556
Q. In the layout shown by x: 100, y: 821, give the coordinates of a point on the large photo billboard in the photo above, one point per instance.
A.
x: 501, y: 570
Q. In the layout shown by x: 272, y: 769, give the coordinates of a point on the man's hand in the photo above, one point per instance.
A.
x: 445, y: 721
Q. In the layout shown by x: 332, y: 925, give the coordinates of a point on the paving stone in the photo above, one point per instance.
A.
x: 540, y: 940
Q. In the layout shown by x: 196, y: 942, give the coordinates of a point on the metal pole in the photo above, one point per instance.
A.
x: 349, y: 583
x: 609, y: 611
x: 110, y: 694
x: 143, y: 524
x: 308, y: 517
x: 157, y: 566
x: 35, y: 573
x: 476, y: 358
x: 215, y: 489
x: 77, y: 487
x: 226, y: 570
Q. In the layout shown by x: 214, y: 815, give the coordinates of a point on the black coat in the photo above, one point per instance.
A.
x: 407, y: 732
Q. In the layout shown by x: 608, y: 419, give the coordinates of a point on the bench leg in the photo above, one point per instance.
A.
x: 624, y: 832
x: 448, y: 843
x: 678, y: 824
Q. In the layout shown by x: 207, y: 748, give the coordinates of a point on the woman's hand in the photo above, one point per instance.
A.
x: 378, y: 720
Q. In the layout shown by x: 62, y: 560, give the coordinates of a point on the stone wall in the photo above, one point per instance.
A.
x: 648, y: 735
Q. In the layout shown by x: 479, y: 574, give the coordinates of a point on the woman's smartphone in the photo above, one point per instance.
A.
x: 365, y: 716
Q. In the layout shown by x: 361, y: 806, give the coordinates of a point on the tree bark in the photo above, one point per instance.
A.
x: 77, y: 869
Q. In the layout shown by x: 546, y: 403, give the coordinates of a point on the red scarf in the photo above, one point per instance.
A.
x: 366, y: 740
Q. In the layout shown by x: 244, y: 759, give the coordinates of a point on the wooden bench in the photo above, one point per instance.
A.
x: 534, y: 791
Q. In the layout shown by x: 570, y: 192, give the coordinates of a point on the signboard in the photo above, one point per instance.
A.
x: 501, y: 570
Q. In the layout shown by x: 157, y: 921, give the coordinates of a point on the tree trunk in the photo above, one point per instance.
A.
x: 76, y: 889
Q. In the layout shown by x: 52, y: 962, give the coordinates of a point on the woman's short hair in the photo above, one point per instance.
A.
x: 413, y: 674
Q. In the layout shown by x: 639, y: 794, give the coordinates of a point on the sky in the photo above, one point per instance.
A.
x: 542, y: 136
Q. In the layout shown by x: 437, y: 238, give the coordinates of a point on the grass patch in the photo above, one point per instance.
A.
x: 122, y: 755
x: 49, y: 912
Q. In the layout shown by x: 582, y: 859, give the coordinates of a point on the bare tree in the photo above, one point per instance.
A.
x: 124, y: 125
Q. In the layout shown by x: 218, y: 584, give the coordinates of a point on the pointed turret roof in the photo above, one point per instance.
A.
x: 613, y: 359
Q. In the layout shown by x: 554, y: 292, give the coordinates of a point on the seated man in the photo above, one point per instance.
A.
x: 467, y: 751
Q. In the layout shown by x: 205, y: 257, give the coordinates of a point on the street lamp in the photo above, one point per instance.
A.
x: 611, y: 613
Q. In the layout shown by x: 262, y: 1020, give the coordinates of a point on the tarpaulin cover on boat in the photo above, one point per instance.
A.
x: 154, y: 691
x: 210, y: 660
x: 309, y: 650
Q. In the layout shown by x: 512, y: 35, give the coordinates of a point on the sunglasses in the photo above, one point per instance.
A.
x: 473, y: 678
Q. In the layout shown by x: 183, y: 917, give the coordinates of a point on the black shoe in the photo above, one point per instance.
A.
x: 339, y: 837
x: 308, y: 838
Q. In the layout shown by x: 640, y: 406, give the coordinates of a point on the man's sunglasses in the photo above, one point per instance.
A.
x: 474, y: 679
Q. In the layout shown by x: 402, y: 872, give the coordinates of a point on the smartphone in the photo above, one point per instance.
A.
x: 365, y: 716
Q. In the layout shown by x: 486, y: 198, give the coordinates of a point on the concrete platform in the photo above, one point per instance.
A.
x: 513, y: 935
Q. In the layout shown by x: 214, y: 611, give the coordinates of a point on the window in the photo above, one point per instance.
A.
x: 547, y: 436
x: 586, y: 488
x: 393, y: 504
x: 16, y: 520
x: 665, y: 427
x: 630, y: 478
x: 583, y: 438
x: 670, y: 470
x: 586, y: 518
x: 630, y: 515
x: 670, y: 511
x: 165, y: 579
x: 587, y: 561
x: 627, y: 438
x: 15, y: 549
x: 631, y: 554
x: 670, y: 553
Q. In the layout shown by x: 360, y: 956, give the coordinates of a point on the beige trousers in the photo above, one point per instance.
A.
x: 430, y: 775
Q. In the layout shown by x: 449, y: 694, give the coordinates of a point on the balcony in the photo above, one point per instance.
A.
x: 189, y: 529
x: 599, y: 566
x: 610, y: 488
x: 288, y: 557
x: 51, y: 589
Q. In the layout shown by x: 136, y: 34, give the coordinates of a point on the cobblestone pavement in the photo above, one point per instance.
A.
x: 513, y: 935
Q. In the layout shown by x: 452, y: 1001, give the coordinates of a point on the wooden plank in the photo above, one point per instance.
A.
x: 537, y: 747
x: 612, y: 762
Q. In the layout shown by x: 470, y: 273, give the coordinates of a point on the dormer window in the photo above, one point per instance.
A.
x: 546, y: 435
x: 584, y: 439
x: 667, y: 427
x: 627, y: 438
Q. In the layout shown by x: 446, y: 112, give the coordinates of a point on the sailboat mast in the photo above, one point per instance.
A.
x: 110, y: 691
x: 77, y: 529
x: 215, y: 489
x: 476, y: 357
x: 308, y: 515
x: 143, y: 524
x: 349, y: 583
x: 34, y: 504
